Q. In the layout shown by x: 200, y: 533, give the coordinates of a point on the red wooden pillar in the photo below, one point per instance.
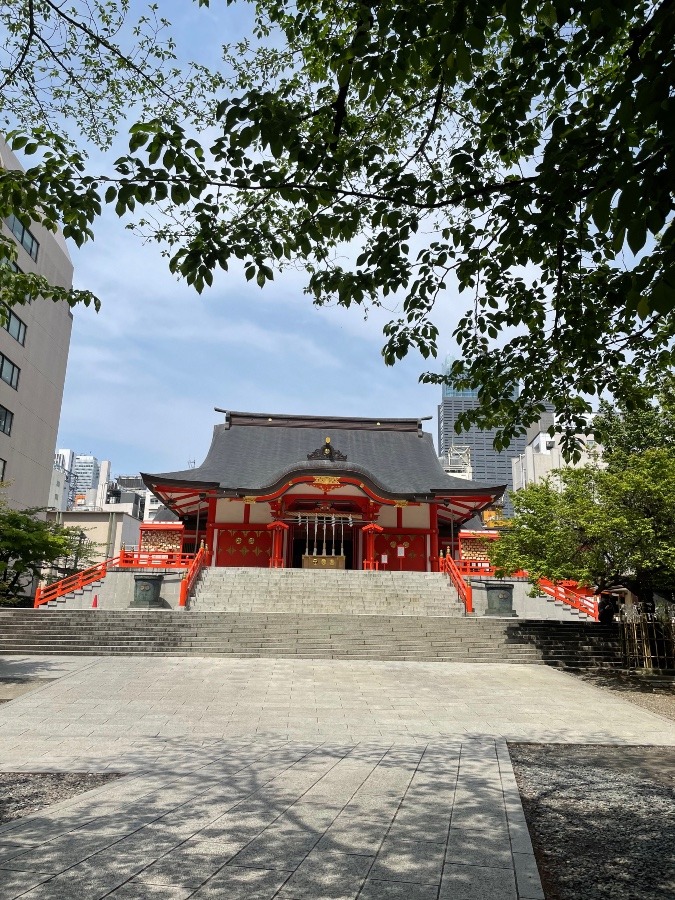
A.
x: 210, y: 526
x: 433, y: 527
x: 277, y: 529
x: 370, y: 531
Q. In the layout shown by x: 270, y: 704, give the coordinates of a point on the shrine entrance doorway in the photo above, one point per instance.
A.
x: 323, y: 541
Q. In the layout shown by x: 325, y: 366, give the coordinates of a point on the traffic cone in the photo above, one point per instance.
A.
x: 94, y: 605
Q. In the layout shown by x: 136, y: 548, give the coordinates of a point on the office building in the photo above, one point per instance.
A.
x: 543, y: 454
x: 487, y: 465
x: 34, y: 344
x: 86, y: 471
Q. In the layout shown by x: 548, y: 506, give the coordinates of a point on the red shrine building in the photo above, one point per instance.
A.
x: 316, y: 492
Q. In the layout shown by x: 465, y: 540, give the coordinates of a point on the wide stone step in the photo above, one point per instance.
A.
x: 303, y: 636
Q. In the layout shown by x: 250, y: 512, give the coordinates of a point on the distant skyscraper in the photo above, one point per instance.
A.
x: 488, y: 465
x: 61, y: 488
x: 86, y: 471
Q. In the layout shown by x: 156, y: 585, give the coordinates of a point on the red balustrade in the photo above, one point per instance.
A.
x: 572, y: 594
x: 154, y: 559
x: 191, y: 575
x: 127, y: 559
x: 448, y: 566
x: 568, y: 592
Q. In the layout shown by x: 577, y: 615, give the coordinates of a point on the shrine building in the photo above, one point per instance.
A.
x: 316, y: 492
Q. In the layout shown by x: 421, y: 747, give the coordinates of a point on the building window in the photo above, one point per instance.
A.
x: 3, y: 466
x: 13, y: 324
x: 9, y: 372
x: 24, y: 237
x: 6, y: 419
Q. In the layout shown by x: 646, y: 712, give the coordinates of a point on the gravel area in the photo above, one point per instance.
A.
x: 601, y: 818
x: 23, y: 793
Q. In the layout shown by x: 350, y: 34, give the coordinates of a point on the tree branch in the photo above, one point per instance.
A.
x: 26, y: 47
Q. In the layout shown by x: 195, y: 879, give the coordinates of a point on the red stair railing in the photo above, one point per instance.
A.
x: 73, y: 582
x: 568, y: 592
x: 127, y: 559
x: 191, y: 575
x: 447, y: 565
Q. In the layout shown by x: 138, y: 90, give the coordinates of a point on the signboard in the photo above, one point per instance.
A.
x: 384, y: 559
x: 400, y: 550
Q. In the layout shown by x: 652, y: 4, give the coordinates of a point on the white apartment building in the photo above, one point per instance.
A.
x: 543, y: 454
x: 34, y: 344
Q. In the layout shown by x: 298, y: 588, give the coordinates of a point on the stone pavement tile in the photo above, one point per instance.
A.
x: 373, y: 806
x: 416, y: 861
x: 423, y: 828
x: 13, y: 884
x: 78, y: 883
x: 478, y: 848
x: 397, y: 890
x: 278, y: 847
x: 333, y: 862
x: 60, y: 854
x: 353, y: 834
x: 527, y: 877
x: 477, y: 883
x: 233, y: 883
x: 308, y: 814
x: 181, y: 868
x: 224, y: 850
x: 318, y: 885
x: 134, y: 890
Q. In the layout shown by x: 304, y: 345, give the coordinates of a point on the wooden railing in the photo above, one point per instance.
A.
x: 127, y: 559
x: 191, y: 575
x: 448, y: 566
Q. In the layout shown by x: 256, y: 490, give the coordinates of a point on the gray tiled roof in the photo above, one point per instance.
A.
x: 398, y: 457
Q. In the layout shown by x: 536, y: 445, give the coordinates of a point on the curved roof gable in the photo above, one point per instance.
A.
x: 254, y: 452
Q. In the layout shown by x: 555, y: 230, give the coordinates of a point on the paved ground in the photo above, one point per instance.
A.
x: 289, y: 779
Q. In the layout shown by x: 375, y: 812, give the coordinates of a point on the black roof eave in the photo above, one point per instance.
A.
x: 431, y: 494
x: 497, y: 490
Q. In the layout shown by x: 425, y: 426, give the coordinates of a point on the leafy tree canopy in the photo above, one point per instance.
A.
x: 596, y: 526
x: 69, y: 74
x: 521, y: 155
x: 28, y: 544
x: 623, y: 431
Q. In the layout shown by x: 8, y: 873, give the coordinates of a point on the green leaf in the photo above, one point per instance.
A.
x: 600, y: 209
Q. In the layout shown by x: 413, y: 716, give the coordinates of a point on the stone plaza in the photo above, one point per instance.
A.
x: 296, y: 779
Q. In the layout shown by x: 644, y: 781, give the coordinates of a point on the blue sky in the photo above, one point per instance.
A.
x: 145, y: 372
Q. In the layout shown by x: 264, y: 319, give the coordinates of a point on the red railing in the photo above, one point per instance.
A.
x: 127, y: 559
x: 191, y: 575
x: 572, y: 594
x: 568, y: 592
x: 474, y: 567
x: 447, y: 565
x: 73, y: 582
x: 148, y: 559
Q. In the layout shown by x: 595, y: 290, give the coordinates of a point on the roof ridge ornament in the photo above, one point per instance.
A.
x: 327, y: 452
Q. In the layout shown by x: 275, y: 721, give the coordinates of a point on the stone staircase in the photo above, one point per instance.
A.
x: 352, y: 593
x: 308, y: 636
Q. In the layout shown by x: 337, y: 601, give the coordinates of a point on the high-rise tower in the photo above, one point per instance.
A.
x: 488, y: 465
